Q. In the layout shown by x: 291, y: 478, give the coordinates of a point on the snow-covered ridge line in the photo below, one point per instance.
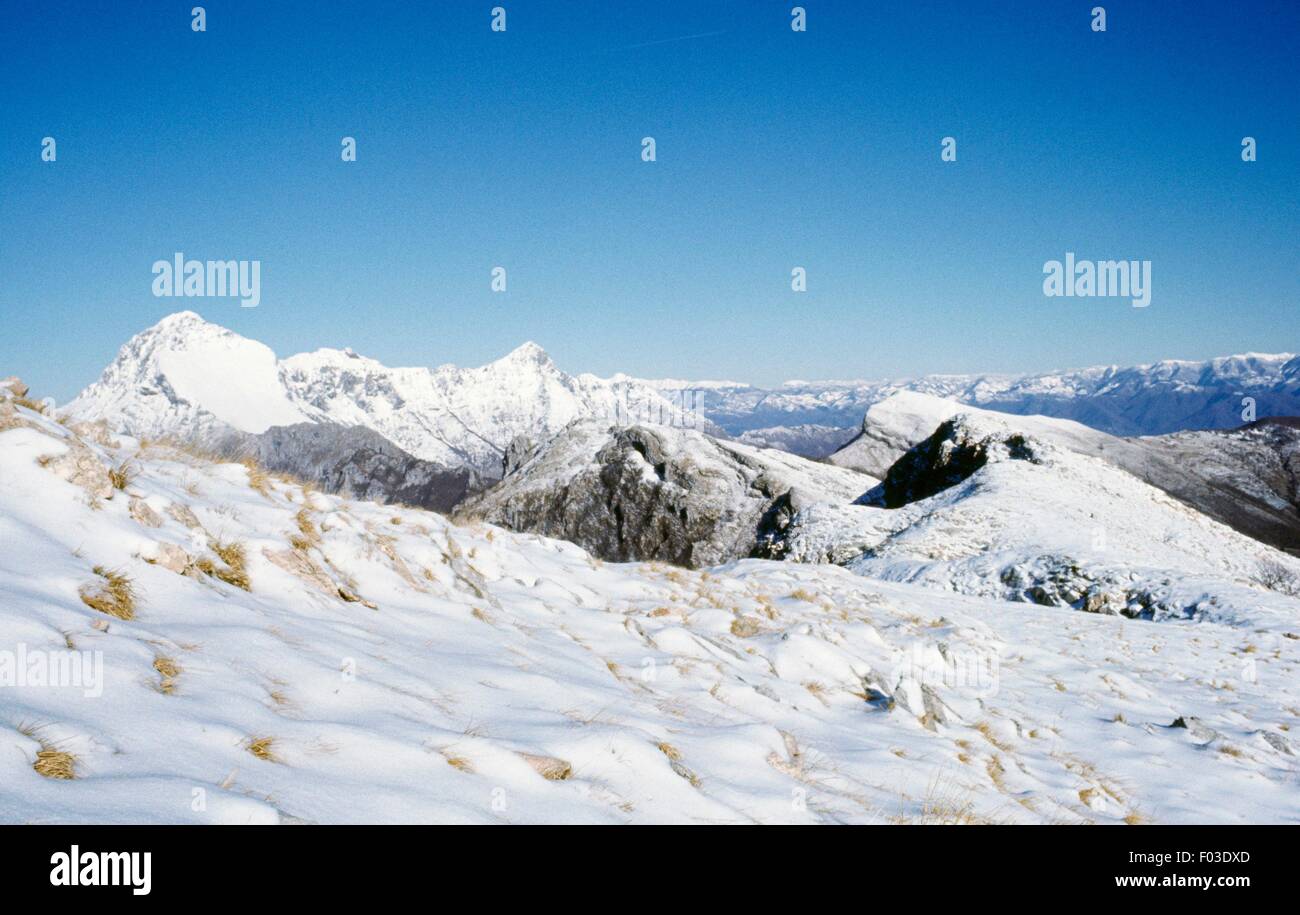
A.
x: 188, y: 378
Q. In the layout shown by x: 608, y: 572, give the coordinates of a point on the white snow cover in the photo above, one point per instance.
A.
x: 1015, y: 522
x: 898, y: 422
x: 468, y: 661
x: 185, y: 377
x: 187, y: 371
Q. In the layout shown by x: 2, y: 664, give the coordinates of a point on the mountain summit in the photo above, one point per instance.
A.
x: 187, y: 378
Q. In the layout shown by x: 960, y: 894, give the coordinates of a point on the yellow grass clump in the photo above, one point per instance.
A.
x: 114, y: 596
x: 121, y: 475
x: 234, y: 568
x: 258, y: 479
x: 50, y: 762
x: 263, y: 748
x: 56, y: 764
x: 169, y: 670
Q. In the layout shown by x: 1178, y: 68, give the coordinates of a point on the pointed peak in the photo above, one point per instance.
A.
x: 183, y: 325
x: 528, y: 353
x: 181, y: 319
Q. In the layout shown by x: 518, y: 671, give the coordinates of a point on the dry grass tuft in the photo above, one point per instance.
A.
x: 803, y: 595
x: 744, y: 627
x: 670, y: 751
x: 50, y: 761
x: 56, y: 764
x: 306, y: 526
x: 121, y: 475
x: 34, y: 405
x: 258, y: 479
x: 169, y: 670
x: 115, y: 596
x: 234, y: 558
x: 460, y: 763
x: 263, y: 748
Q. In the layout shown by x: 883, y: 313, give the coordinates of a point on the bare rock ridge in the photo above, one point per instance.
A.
x: 653, y: 492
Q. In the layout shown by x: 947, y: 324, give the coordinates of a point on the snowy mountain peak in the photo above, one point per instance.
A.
x: 187, y: 378
x: 528, y: 353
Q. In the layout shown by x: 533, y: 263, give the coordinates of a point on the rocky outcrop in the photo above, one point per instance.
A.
x: 1246, y: 478
x: 952, y: 454
x: 653, y: 492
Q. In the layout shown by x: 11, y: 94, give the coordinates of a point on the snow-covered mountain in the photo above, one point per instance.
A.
x: 654, y: 492
x: 1166, y: 396
x: 291, y: 656
x: 982, y: 508
x: 190, y: 379
x: 1247, y: 478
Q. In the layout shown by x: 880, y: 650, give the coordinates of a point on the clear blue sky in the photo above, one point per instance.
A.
x: 775, y: 150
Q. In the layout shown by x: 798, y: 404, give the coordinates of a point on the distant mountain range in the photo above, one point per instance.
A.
x: 1167, y: 396
x: 430, y: 436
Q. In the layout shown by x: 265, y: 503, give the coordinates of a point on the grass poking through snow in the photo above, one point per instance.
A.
x: 114, y: 596
x: 234, y: 568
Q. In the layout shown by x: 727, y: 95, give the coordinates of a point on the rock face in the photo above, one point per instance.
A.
x: 355, y: 461
x: 952, y: 454
x: 653, y: 492
x: 1248, y: 478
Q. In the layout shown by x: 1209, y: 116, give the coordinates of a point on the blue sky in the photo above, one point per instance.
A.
x: 775, y: 150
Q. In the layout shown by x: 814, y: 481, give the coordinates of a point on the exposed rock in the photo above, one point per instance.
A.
x: 171, y: 557
x: 182, y: 513
x: 79, y: 466
x: 653, y: 492
x: 950, y: 455
x: 143, y: 514
x: 520, y: 449
x: 12, y: 387
x: 354, y: 461
x: 1196, y: 730
x: 1277, y: 742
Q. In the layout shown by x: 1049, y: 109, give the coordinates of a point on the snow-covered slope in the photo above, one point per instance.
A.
x: 1245, y: 478
x: 186, y: 375
x: 387, y: 665
x: 982, y: 508
x: 1162, y: 397
x: 189, y: 379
